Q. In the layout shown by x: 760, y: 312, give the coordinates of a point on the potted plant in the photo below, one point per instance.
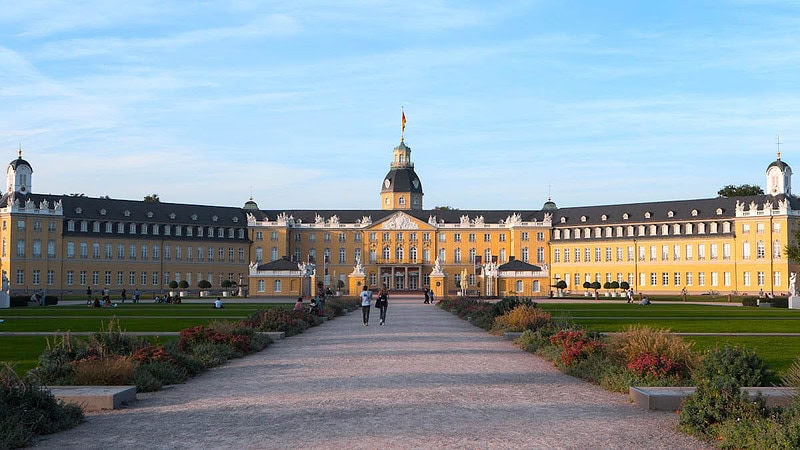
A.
x: 587, y: 286
x: 615, y: 286
x: 204, y: 286
x: 226, y: 286
x: 561, y: 285
x: 339, y: 288
x: 183, y: 285
x: 172, y: 286
x: 595, y: 285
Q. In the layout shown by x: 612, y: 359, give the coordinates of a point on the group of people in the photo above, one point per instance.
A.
x: 168, y: 299
x: 317, y: 306
x: 123, y: 295
x: 429, y: 297
x: 381, y: 303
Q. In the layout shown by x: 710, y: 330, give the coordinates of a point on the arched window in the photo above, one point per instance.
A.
x: 277, y: 286
x: 519, y: 286
x: 412, y: 254
x: 260, y: 285
x: 399, y: 253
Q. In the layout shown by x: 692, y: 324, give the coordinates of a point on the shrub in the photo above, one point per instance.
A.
x: 109, y: 371
x: 625, y: 285
x: 508, y: 304
x: 204, y: 284
x: 183, y: 284
x: 145, y: 381
x: 150, y: 354
x: 165, y: 372
x: 780, y: 302
x: 750, y: 301
x: 776, y: 431
x: 26, y: 411
x: 213, y: 354
x: 791, y: 377
x: 113, y: 341
x: 656, y: 366
x: 738, y: 364
x: 636, y: 340
x: 290, y: 322
x: 576, y: 345
x: 190, y: 337
x: 173, y: 284
x: 521, y: 318
x: 716, y: 400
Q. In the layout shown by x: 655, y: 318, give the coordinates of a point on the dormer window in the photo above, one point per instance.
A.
x: 647, y: 215
x: 719, y: 211
x: 172, y: 216
x: 695, y: 213
x: 78, y: 210
x: 604, y: 217
x: 563, y: 220
x: 583, y: 218
x: 214, y: 218
x: 126, y: 213
x: 194, y: 216
x: 670, y: 213
x: 625, y: 216
x: 103, y: 212
x: 149, y: 214
x: 235, y: 220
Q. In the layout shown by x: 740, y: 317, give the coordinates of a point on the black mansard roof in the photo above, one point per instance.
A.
x: 88, y: 208
x: 518, y: 266
x: 281, y: 264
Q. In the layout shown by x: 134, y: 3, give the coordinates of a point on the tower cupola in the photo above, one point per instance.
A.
x: 779, y: 175
x: 18, y: 176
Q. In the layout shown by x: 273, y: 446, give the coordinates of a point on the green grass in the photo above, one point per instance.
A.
x: 778, y: 352
x: 23, y: 351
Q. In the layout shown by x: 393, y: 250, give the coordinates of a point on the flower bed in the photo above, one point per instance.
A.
x: 641, y: 356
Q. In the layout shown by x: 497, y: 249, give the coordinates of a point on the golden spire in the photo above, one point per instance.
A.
x: 778, y: 143
x: 20, y: 150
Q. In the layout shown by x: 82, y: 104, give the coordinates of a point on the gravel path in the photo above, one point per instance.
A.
x: 425, y: 380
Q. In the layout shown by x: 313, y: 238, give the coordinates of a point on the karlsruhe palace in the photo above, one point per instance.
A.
x: 64, y: 244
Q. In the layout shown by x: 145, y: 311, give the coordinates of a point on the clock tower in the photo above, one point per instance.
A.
x: 401, y: 188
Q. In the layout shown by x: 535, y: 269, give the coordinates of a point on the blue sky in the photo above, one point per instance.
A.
x: 299, y: 101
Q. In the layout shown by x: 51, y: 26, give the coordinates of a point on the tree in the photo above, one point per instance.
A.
x: 587, y: 285
x: 183, y: 284
x: 615, y: 285
x: 740, y: 191
x: 561, y: 284
x: 625, y: 285
x: 152, y: 198
x: 204, y: 284
x: 607, y: 285
x: 793, y: 250
x: 173, y: 284
x: 596, y: 285
x: 226, y: 284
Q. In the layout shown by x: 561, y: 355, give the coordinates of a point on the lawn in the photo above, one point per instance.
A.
x: 777, y: 351
x: 23, y: 351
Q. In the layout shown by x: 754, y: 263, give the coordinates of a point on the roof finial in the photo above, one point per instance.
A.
x: 402, y: 124
x: 20, y: 150
x: 778, y: 143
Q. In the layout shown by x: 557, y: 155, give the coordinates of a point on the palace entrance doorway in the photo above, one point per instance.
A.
x: 400, y: 278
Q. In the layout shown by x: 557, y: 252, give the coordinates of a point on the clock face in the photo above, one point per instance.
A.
x: 387, y: 182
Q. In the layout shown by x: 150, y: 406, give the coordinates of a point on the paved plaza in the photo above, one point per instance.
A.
x: 424, y: 380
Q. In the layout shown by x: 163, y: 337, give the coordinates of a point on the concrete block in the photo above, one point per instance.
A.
x: 95, y: 398
x: 511, y: 335
x: 670, y: 398
x: 794, y: 302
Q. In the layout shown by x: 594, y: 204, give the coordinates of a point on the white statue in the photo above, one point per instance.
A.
x: 437, y: 268
x: 793, y: 283
x: 359, y: 269
x: 5, y: 283
x: 4, y: 294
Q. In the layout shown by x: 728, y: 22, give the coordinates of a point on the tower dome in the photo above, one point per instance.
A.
x: 549, y: 205
x: 19, y: 175
x: 250, y: 205
x: 779, y: 176
x: 401, y: 188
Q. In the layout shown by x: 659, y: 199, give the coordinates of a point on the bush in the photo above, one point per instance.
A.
x: 508, y: 304
x: 750, y: 301
x: 165, y: 372
x: 521, y: 318
x: 211, y: 355
x: 204, y: 284
x: 738, y: 364
x: 290, y: 322
x: 779, y: 302
x: 145, y: 381
x: 576, y: 345
x: 625, y: 285
x: 109, y: 371
x: 173, y: 284
x: 791, y: 377
x: 716, y: 400
x: 637, y: 340
x: 183, y: 284
x: 114, y: 341
x: 26, y: 411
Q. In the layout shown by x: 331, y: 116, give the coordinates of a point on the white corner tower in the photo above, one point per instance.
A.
x: 779, y: 176
x: 18, y: 176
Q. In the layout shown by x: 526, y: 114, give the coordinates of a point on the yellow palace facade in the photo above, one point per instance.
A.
x: 66, y: 244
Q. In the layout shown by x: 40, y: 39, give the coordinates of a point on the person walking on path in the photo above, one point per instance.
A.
x: 366, y: 297
x: 430, y: 296
x: 427, y: 297
x: 382, y: 303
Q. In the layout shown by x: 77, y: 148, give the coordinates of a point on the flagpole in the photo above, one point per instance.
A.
x: 402, y: 124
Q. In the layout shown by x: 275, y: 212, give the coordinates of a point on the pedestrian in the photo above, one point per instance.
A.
x: 123, y: 295
x: 427, y: 296
x: 366, y: 297
x: 298, y: 306
x: 136, y: 295
x: 430, y: 295
x: 88, y: 295
x: 382, y: 303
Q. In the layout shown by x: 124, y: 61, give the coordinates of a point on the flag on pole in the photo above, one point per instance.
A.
x: 403, y: 122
